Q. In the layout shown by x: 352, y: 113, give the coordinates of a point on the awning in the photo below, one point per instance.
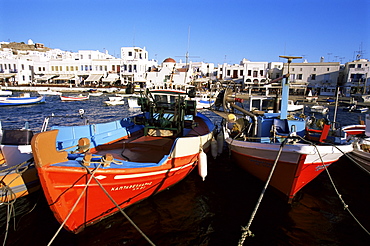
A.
x: 94, y: 77
x: 111, y: 78
x: 46, y: 77
x: 6, y: 75
x: 64, y: 77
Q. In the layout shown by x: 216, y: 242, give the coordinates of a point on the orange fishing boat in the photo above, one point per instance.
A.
x: 163, y: 145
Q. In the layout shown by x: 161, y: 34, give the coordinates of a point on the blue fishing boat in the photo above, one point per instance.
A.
x: 23, y: 99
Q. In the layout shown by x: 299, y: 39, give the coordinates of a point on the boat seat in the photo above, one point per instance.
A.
x: 44, y: 150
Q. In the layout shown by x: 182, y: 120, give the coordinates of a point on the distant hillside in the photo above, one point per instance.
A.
x: 24, y: 47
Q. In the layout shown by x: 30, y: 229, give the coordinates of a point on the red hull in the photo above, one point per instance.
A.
x: 288, y: 177
x: 62, y: 187
x: 354, y: 129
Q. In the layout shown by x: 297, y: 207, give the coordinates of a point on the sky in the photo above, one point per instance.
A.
x: 214, y: 31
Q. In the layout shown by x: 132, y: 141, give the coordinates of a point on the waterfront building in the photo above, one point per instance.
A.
x: 357, y: 76
x: 320, y: 77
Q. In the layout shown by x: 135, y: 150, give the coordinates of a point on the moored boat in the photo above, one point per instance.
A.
x: 354, y: 129
x: 115, y: 101
x: 80, y: 97
x: 5, y: 92
x: 50, y: 92
x: 23, y: 99
x: 144, y: 155
x: 361, y: 145
x: 320, y: 109
x: 289, y: 149
x: 17, y: 173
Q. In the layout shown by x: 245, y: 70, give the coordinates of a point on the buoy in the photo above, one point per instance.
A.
x: 214, y: 148
x: 202, y: 164
x: 220, y: 142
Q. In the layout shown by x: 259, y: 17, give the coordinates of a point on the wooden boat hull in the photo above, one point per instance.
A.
x: 125, y: 188
x: 156, y: 163
x: 15, y: 101
x: 16, y: 184
x: 297, y: 166
x: 64, y: 98
x: 354, y: 129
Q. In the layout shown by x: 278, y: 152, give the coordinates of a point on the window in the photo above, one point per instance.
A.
x: 299, y: 76
x: 255, y: 74
x: 130, y: 53
x: 314, y: 69
x: 90, y: 57
x: 39, y: 69
x: 228, y: 72
x: 313, y: 76
x: 358, y: 65
x: 67, y: 68
x: 351, y: 65
x: 261, y: 72
x: 328, y: 69
x: 241, y: 73
x: 293, y: 69
x: 24, y: 78
x: 249, y: 72
x: 300, y: 69
x: 22, y: 66
x: 105, y: 68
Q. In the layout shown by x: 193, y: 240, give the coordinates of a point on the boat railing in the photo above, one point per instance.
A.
x: 47, y: 119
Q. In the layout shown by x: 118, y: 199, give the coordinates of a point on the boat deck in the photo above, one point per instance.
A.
x: 147, y: 149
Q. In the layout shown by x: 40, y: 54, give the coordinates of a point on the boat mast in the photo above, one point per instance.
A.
x: 285, y: 88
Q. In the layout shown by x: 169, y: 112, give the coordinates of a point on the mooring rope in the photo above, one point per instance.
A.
x: 345, y: 206
x: 119, y: 208
x: 246, y: 230
x: 74, y: 206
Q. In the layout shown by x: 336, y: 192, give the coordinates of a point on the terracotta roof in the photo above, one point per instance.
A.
x: 169, y: 60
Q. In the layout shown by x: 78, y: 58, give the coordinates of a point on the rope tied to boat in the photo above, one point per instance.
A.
x: 105, y: 160
x: 246, y: 231
x: 345, y: 206
x: 118, y: 207
x: 75, y: 204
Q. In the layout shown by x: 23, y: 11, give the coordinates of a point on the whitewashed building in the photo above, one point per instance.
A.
x: 357, y: 76
x: 321, y: 77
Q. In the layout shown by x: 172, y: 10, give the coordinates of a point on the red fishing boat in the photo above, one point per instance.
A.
x: 163, y: 145
x: 285, y: 152
x: 354, y: 129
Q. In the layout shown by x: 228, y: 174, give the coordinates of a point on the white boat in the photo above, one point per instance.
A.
x: 5, y: 93
x: 114, y: 101
x: 23, y: 99
x: 132, y: 102
x: 318, y: 109
x: 74, y: 98
x: 205, y: 100
x: 50, y: 92
x: 361, y: 146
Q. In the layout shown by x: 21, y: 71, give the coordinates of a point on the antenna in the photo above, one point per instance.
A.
x: 290, y: 59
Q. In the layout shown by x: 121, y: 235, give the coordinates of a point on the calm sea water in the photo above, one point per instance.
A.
x: 196, y: 212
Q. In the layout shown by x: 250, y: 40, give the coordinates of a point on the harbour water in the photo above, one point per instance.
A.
x: 196, y: 212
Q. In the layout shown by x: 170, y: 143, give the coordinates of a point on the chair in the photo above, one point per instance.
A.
x: 280, y: 129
